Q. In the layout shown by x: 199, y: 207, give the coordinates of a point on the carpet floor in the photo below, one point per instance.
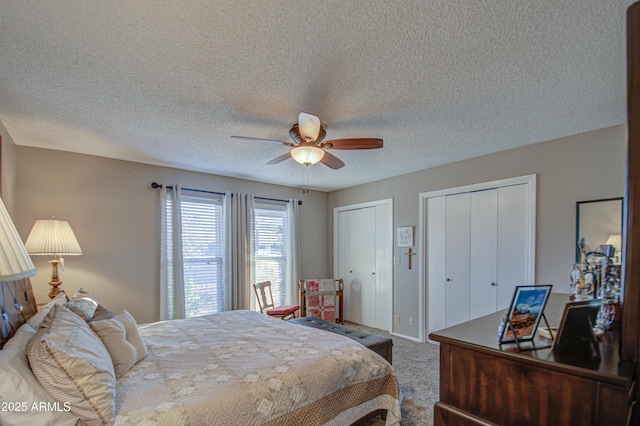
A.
x: 417, y: 367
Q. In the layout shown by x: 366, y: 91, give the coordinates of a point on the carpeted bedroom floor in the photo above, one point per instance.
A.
x: 417, y: 370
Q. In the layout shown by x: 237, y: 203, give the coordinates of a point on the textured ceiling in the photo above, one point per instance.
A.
x: 168, y: 83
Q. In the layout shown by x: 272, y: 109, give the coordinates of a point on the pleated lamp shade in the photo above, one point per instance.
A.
x: 15, y: 263
x: 53, y: 237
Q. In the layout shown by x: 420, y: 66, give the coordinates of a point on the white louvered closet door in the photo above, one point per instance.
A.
x: 478, y: 250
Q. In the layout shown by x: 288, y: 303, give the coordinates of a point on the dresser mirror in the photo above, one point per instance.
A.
x: 599, y: 227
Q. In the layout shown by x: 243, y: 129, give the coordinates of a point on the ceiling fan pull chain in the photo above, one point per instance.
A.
x: 305, y: 179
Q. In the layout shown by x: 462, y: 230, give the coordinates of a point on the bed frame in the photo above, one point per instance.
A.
x: 18, y: 304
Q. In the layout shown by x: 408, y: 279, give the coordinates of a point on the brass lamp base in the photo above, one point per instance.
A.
x: 55, y: 282
x: 54, y: 290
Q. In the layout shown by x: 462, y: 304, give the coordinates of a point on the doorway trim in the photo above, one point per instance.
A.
x: 530, y: 180
x: 389, y: 249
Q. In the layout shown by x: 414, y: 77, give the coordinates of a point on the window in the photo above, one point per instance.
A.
x: 270, y: 248
x: 208, y: 248
x: 202, y: 251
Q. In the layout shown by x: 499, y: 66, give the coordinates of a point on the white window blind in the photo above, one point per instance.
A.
x: 202, y: 250
x: 270, y: 247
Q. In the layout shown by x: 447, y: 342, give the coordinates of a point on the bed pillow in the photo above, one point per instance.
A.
x: 72, y: 365
x: 21, y: 338
x: 85, y: 307
x: 102, y: 313
x: 122, y: 339
x: 60, y: 299
x: 83, y: 303
x: 19, y: 386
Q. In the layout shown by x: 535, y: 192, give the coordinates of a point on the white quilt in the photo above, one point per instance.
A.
x: 245, y: 368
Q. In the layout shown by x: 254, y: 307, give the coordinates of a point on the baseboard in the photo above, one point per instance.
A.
x: 403, y: 336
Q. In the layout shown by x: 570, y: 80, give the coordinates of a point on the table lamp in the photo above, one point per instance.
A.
x: 15, y: 263
x: 55, y: 238
x: 615, y: 241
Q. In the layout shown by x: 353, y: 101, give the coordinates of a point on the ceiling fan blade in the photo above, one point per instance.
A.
x: 358, y: 143
x: 332, y: 161
x: 308, y: 126
x: 261, y: 140
x: 280, y: 159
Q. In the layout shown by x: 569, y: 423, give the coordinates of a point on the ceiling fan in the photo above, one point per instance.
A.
x: 309, y: 147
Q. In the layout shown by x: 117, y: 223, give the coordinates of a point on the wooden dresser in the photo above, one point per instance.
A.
x: 482, y: 383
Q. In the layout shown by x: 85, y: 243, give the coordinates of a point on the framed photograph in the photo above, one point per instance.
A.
x: 525, y: 313
x: 405, y: 236
x: 576, y: 324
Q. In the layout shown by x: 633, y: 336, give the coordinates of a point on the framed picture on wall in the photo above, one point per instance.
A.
x: 405, y: 236
x: 525, y: 313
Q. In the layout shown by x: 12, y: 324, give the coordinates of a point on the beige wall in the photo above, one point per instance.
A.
x: 114, y: 215
x: 7, y: 170
x: 588, y: 166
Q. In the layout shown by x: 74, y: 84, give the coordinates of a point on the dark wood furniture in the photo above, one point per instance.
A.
x: 302, y: 298
x: 630, y: 332
x: 484, y: 383
x: 381, y: 345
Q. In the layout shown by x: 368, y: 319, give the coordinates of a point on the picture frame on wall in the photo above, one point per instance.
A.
x: 405, y: 236
x: 524, y: 314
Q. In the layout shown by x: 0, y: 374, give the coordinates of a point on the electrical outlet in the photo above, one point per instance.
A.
x: 398, y: 319
x: 396, y: 260
x: 411, y: 322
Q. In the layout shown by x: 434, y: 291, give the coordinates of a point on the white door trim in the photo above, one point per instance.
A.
x: 389, y: 228
x: 530, y: 180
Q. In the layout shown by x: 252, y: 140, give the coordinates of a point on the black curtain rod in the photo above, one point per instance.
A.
x: 156, y: 185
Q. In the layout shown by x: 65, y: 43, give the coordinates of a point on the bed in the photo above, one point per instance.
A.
x: 231, y: 368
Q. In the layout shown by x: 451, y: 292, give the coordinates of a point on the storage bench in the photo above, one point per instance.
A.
x: 379, y: 344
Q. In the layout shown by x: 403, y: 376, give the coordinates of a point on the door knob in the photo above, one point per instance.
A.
x: 494, y: 283
x: 449, y: 279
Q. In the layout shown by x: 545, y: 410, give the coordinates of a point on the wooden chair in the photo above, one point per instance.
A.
x: 264, y: 296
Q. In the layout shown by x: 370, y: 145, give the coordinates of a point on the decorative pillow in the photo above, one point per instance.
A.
x: 72, y: 364
x: 122, y: 339
x: 20, y: 387
x: 133, y: 334
x: 85, y: 307
x: 60, y: 299
x: 102, y: 313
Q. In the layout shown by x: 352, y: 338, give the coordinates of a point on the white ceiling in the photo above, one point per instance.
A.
x: 168, y: 83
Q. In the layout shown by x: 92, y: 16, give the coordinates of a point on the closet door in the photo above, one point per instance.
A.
x: 484, y: 246
x: 513, y: 242
x: 436, y: 219
x: 358, y: 264
x: 383, y: 266
x: 343, y: 258
x: 457, y: 258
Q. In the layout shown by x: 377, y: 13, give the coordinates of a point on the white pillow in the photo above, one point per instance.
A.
x: 60, y: 299
x: 71, y: 363
x: 20, y: 388
x: 20, y: 339
x: 122, y: 339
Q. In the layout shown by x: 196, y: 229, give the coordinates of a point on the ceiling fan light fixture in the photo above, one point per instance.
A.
x: 308, y: 126
x: 307, y: 155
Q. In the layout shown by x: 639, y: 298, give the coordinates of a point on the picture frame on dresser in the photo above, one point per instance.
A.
x: 576, y: 326
x: 525, y: 313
